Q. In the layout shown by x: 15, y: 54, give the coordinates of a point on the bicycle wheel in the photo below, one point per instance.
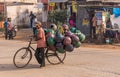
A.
x: 22, y: 57
x: 54, y: 57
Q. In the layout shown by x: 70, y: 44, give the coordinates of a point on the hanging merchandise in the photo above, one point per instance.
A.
x: 62, y: 43
x: 116, y: 12
x: 74, y: 6
x: 85, y: 22
x: 60, y: 47
x: 81, y: 37
x: 59, y: 37
x: 69, y: 48
x: 60, y: 29
x: 98, y: 15
x: 75, y: 38
x: 67, y: 40
x: 76, y: 45
x: 50, y: 41
x: 68, y: 33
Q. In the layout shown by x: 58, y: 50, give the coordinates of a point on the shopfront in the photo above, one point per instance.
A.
x: 86, y: 11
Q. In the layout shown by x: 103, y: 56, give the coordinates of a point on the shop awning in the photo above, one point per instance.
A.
x: 98, y: 4
x: 39, y: 5
x: 92, y: 0
x: 111, y: 1
x: 58, y: 0
x: 17, y: 3
x: 111, y: 6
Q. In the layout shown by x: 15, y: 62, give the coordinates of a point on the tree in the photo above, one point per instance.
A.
x: 58, y: 16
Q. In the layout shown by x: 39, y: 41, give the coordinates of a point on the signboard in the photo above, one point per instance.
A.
x: 98, y: 15
x: 52, y: 4
x: 58, y: 0
x: 39, y: 5
x: 115, y: 1
x: 74, y: 6
x: 93, y: 0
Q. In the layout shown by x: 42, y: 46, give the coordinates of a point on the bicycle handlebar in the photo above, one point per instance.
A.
x: 30, y: 37
x: 30, y: 41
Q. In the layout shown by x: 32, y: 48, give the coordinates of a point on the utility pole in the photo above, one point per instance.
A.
x: 5, y: 10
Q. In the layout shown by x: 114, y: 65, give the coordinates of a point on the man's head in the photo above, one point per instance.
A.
x: 31, y: 12
x: 38, y: 25
x: 9, y: 19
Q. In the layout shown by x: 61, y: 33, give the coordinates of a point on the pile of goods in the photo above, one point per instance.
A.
x: 71, y: 39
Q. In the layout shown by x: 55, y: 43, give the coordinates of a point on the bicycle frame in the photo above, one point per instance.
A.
x: 49, y: 56
x: 29, y: 45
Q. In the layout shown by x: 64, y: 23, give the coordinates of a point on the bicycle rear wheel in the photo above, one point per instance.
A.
x: 22, y: 57
x: 54, y: 57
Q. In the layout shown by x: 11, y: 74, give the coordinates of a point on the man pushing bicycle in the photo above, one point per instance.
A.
x: 41, y: 44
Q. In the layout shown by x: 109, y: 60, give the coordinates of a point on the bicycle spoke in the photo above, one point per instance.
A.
x: 59, y: 59
x: 22, y: 57
x: 55, y: 57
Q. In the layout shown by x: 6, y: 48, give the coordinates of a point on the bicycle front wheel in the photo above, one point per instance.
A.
x: 54, y: 57
x: 22, y: 57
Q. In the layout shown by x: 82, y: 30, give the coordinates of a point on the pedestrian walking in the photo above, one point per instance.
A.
x: 34, y: 27
x: 31, y: 19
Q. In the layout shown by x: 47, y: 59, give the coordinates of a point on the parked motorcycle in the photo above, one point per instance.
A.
x: 14, y: 31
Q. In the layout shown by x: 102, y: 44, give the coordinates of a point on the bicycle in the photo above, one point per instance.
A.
x: 25, y: 56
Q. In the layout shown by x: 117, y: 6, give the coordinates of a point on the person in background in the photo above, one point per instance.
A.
x: 10, y: 26
x: 44, y: 16
x: 6, y: 28
x: 94, y: 24
x: 34, y: 27
x: 41, y: 44
x: 72, y: 21
x: 31, y: 19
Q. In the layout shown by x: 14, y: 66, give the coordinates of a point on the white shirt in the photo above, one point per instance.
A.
x: 44, y: 16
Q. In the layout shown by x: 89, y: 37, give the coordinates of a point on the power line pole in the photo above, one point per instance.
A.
x: 5, y: 10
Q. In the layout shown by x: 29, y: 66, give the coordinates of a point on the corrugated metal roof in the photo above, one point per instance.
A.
x: 18, y: 3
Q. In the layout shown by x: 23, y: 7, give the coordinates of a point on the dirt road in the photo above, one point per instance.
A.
x: 83, y: 62
x: 23, y: 35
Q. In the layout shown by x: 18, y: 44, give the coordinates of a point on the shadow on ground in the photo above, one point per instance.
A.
x: 11, y: 67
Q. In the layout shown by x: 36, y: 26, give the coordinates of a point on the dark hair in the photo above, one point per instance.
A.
x: 9, y: 19
x: 51, y: 26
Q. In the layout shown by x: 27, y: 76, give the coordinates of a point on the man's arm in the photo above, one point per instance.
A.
x: 39, y: 34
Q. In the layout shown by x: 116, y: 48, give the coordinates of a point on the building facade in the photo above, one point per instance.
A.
x: 26, y: 1
x: 18, y: 11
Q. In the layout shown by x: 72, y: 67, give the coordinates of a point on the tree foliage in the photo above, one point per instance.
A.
x: 58, y: 16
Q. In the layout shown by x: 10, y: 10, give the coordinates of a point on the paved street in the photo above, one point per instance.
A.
x: 83, y: 62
